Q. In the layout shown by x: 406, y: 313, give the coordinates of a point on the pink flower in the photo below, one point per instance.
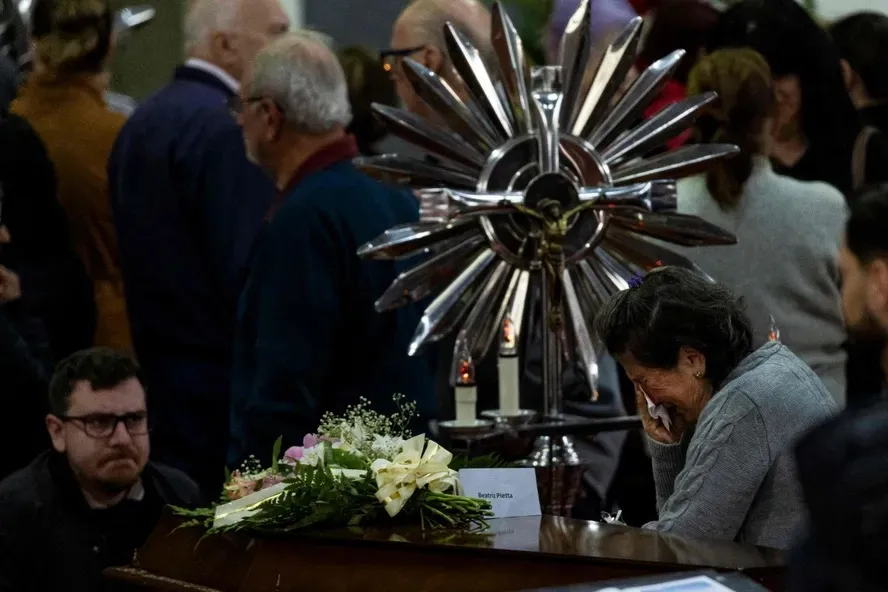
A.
x: 240, y: 486
x: 270, y: 480
x: 309, y: 441
x: 294, y: 453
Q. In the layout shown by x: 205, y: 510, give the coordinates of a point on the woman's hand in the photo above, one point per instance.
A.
x: 654, y: 428
x: 10, y: 286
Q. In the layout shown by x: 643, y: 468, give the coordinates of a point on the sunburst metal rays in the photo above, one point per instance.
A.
x: 538, y: 175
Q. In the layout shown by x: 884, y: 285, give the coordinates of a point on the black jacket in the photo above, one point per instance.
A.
x: 50, y: 539
x: 56, y: 315
x: 843, y: 469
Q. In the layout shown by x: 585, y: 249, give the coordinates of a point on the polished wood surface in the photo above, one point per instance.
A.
x: 515, y: 554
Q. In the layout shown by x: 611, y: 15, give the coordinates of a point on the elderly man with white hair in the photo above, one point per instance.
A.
x: 308, y: 337
x: 188, y: 206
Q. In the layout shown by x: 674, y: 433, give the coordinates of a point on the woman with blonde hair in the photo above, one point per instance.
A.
x: 64, y: 102
x: 784, y: 264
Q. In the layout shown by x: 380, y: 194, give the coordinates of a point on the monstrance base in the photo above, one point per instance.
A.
x: 559, y: 473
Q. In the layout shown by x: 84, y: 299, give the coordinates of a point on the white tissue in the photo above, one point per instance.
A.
x: 659, y: 412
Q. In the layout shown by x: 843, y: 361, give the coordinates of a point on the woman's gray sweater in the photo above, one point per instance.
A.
x: 785, y: 262
x: 734, y: 478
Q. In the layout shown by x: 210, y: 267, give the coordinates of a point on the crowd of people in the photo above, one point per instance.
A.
x: 180, y: 285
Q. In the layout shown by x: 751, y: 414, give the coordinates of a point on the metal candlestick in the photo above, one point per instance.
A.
x: 541, y: 176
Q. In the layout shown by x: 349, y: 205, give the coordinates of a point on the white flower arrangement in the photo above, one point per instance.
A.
x: 356, y: 466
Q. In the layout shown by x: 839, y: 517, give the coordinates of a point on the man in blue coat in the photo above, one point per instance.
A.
x: 188, y: 206
x: 308, y: 339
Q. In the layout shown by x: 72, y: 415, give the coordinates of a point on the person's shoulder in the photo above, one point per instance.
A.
x: 809, y: 193
x: 173, y: 108
x: 783, y: 383
x: 174, y: 485
x: 24, y: 490
x: 813, y: 200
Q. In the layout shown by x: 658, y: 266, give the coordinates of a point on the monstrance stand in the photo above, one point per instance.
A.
x: 540, y: 192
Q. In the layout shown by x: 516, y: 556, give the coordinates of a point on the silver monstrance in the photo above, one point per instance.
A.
x: 542, y: 176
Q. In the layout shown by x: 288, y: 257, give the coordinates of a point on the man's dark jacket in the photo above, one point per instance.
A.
x: 50, y: 539
x: 843, y: 469
x: 188, y: 206
x: 308, y: 338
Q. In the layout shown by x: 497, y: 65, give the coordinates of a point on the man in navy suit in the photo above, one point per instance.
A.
x: 188, y: 205
x: 308, y: 338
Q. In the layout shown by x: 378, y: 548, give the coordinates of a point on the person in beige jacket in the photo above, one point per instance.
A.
x: 64, y: 102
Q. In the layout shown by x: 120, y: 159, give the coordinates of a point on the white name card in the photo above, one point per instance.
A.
x: 511, y: 492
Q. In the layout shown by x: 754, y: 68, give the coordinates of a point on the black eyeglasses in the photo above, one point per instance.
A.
x: 236, y: 105
x: 103, y: 425
x: 389, y: 57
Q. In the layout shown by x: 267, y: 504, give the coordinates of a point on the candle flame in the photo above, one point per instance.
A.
x: 508, y: 333
x: 463, y: 366
x: 466, y: 373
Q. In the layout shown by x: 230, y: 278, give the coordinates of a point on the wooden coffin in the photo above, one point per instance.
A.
x: 515, y: 554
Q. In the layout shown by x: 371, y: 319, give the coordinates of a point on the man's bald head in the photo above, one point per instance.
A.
x: 421, y: 26
x: 230, y: 33
x: 424, y: 20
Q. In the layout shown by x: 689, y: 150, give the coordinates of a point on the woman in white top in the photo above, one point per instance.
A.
x: 784, y: 264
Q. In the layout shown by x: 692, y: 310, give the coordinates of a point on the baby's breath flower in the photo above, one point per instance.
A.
x: 360, y: 424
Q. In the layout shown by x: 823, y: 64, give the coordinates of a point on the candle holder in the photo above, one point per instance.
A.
x: 543, y: 177
x: 466, y: 429
x: 511, y: 419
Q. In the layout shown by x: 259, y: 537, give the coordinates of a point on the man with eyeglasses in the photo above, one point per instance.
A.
x: 93, y: 500
x: 418, y: 34
x: 308, y: 337
x: 188, y: 206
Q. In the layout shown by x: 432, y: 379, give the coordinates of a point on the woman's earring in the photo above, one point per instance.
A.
x: 698, y: 375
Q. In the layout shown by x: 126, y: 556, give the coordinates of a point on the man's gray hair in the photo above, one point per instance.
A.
x: 206, y: 17
x: 302, y: 75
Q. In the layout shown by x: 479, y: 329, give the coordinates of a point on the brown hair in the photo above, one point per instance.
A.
x: 368, y: 83
x: 742, y: 79
x: 72, y: 36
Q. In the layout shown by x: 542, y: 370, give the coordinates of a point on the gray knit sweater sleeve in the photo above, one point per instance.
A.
x: 707, y: 492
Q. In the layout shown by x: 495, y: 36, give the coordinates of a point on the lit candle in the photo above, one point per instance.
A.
x: 774, y: 332
x: 508, y: 370
x: 466, y: 394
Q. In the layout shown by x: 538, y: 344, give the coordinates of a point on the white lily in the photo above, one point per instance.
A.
x: 413, y: 468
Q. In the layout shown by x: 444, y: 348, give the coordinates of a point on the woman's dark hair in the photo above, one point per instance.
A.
x: 742, y: 79
x: 368, y: 83
x: 793, y: 44
x: 679, y: 24
x: 673, y: 308
x: 72, y: 36
x: 862, y: 41
x: 865, y: 233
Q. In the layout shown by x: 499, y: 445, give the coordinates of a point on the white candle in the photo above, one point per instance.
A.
x: 508, y: 369
x: 465, y: 392
x: 509, y: 400
x: 466, y: 401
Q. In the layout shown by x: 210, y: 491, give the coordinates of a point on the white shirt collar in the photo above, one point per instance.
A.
x: 216, y: 71
x: 136, y: 493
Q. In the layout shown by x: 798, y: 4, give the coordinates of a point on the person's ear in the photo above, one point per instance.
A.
x: 877, y: 288
x: 848, y: 75
x: 221, y: 46
x: 56, y: 429
x: 433, y: 59
x: 274, y: 119
x: 692, y: 361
